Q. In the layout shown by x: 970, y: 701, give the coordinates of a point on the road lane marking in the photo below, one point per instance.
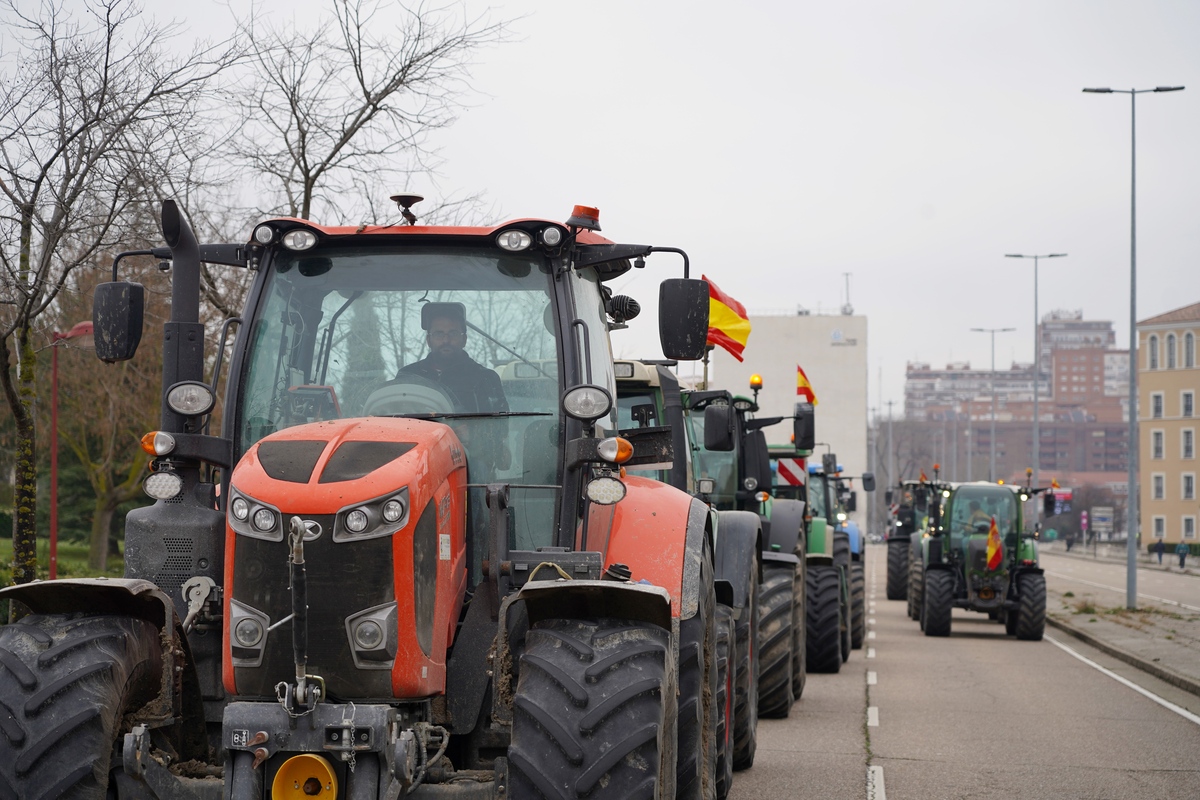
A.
x: 870, y: 652
x: 872, y: 678
x: 1167, y: 704
x: 870, y: 634
x: 872, y: 717
x: 1123, y: 591
x: 870, y: 620
x: 875, y: 790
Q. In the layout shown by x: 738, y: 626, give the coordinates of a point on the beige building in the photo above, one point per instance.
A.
x: 1168, y: 386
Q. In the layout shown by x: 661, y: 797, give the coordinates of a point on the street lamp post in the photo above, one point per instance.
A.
x: 81, y: 329
x: 993, y: 332
x: 1131, y: 513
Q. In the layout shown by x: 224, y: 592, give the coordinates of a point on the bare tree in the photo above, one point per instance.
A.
x: 92, y: 111
x: 345, y: 109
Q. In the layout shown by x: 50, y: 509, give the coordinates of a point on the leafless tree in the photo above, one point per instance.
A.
x: 344, y: 110
x: 94, y: 108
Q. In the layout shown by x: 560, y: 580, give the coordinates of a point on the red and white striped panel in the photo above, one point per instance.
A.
x: 791, y: 471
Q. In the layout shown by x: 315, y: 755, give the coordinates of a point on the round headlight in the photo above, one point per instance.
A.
x: 239, y: 508
x: 841, y: 517
x: 264, y: 234
x: 248, y: 632
x: 750, y: 484
x: 552, y: 236
x: 264, y: 519
x: 514, y: 241
x: 605, y: 491
x: 301, y: 239
x: 393, y: 510
x: 190, y: 399
x: 367, y: 634
x: 163, y: 485
x: 356, y: 520
x: 587, y: 402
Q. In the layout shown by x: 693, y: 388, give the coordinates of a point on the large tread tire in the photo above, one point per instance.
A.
x: 841, y: 558
x: 916, y: 588
x: 1031, y: 615
x: 594, y: 711
x: 858, y: 605
x: 745, y: 679
x: 799, y: 625
x: 939, y: 602
x: 69, y: 682
x: 897, y: 570
x: 775, y: 606
x: 1010, y: 622
x: 696, y: 724
x: 725, y: 658
x: 823, y: 639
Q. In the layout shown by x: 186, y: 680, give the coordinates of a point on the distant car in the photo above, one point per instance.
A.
x: 875, y: 538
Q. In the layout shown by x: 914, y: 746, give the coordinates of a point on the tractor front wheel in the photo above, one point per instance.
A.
x: 725, y: 658
x: 799, y: 622
x: 745, y: 679
x: 939, y: 602
x: 697, y: 723
x: 858, y: 605
x: 776, y: 602
x: 823, y: 625
x: 1031, y: 615
x: 594, y: 711
x: 897, y: 570
x: 71, y: 681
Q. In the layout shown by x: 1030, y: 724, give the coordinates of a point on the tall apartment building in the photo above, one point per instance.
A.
x: 1168, y: 385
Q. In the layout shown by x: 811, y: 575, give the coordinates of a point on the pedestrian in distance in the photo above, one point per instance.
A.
x: 1159, y: 548
x: 1182, y: 551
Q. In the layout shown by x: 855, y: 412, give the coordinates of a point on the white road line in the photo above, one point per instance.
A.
x: 1122, y: 591
x: 875, y: 790
x: 872, y: 717
x: 872, y: 678
x: 870, y: 620
x: 1183, y: 712
x: 870, y: 652
x: 870, y: 634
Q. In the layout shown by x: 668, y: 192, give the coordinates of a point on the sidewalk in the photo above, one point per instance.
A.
x: 1115, y: 554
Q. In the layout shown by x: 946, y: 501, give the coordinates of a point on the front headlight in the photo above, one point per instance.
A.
x: 587, y: 403
x: 250, y: 517
x: 190, y: 398
x: 382, y: 516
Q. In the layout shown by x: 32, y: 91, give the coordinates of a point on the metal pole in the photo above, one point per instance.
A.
x: 54, y: 457
x: 892, y: 477
x: 954, y: 452
x: 992, y: 462
x: 1131, y: 518
x: 1037, y: 380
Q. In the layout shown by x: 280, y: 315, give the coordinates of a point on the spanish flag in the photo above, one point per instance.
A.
x: 923, y: 478
x: 1054, y: 483
x: 804, y: 386
x: 995, y: 551
x: 728, y: 323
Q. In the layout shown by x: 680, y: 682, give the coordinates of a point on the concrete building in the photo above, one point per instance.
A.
x: 1168, y: 385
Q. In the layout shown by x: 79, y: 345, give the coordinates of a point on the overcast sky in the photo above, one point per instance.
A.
x: 910, y: 143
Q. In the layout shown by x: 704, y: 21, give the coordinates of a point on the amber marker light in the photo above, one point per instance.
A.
x: 615, y: 449
x: 756, y: 381
x: 157, y: 443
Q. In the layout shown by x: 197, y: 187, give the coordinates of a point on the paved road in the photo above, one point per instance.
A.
x: 1067, y: 573
x: 978, y: 715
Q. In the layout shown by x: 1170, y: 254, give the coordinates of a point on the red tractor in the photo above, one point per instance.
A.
x: 410, y: 564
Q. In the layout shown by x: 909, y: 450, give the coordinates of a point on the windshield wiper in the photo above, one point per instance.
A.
x: 468, y: 414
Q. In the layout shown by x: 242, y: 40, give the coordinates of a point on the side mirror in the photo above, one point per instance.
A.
x: 851, y: 502
x: 804, y: 428
x: 117, y: 311
x: 683, y: 318
x: 829, y: 463
x: 887, y: 496
x: 868, y: 480
x: 718, y: 428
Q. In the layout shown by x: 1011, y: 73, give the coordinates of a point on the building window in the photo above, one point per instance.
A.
x: 1160, y: 527
x: 1170, y: 351
x: 1156, y: 444
x: 1189, y: 486
x: 1158, y: 486
x: 1152, y: 354
x: 1189, y: 527
x: 1186, y: 402
x: 1156, y: 405
x: 1189, y: 350
x: 1187, y: 443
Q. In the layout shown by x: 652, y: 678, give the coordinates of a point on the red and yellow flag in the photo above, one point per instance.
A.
x: 995, y: 551
x: 924, y: 479
x: 728, y: 322
x: 804, y: 386
x: 1054, y: 483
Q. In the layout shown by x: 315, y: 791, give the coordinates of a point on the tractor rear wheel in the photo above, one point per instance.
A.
x: 844, y: 594
x: 725, y: 658
x: 776, y: 602
x: 799, y: 623
x: 858, y: 605
x: 745, y: 679
x: 1031, y: 615
x: 697, y: 724
x: 594, y: 711
x: 71, y: 681
x: 939, y: 602
x: 916, y: 588
x: 823, y: 634
x: 897, y: 569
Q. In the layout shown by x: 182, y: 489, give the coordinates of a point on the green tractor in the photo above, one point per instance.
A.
x: 979, y: 557
x: 915, y: 502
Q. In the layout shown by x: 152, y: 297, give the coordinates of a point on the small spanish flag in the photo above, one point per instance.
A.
x: 804, y: 386
x: 1054, y: 483
x: 995, y: 551
x: 924, y: 479
x: 728, y: 322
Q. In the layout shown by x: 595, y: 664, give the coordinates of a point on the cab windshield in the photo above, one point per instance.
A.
x: 973, y: 507
x: 720, y: 466
x: 456, y: 335
x: 816, y: 496
x: 627, y: 401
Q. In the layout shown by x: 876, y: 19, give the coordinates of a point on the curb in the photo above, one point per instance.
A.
x: 1142, y: 565
x: 1170, y: 676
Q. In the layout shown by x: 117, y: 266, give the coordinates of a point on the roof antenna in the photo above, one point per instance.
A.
x: 405, y: 201
x: 848, y: 310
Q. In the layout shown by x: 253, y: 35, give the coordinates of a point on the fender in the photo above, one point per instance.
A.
x: 780, y: 558
x: 852, y: 530
x: 820, y: 543
x: 787, y: 525
x: 739, y: 541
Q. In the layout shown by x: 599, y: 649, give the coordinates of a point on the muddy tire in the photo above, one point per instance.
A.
x: 939, y: 602
x: 823, y: 623
x: 1031, y: 615
x: 69, y: 681
x: 858, y: 605
x: 799, y: 624
x: 776, y: 602
x: 897, y: 570
x: 696, y: 724
x: 745, y: 679
x: 725, y: 658
x: 594, y: 711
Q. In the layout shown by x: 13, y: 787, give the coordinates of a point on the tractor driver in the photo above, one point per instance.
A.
x: 978, y: 516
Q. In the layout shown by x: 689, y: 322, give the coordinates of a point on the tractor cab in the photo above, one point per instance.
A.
x: 969, y: 516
